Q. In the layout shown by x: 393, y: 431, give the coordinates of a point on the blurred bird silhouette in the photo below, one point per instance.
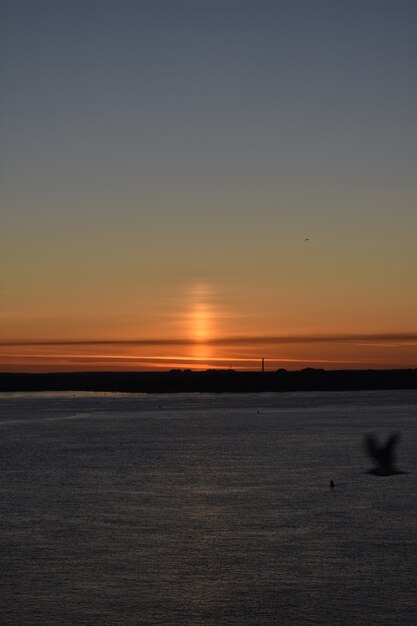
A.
x: 383, y: 455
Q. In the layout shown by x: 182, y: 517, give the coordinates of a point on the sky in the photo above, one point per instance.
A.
x: 200, y: 183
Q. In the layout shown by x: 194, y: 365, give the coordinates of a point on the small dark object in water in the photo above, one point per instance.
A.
x: 331, y: 484
x: 383, y: 455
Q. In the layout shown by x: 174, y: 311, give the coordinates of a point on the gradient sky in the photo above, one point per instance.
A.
x: 164, y: 161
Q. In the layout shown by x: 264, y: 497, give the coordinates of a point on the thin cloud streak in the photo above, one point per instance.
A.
x: 107, y: 357
x: 399, y: 338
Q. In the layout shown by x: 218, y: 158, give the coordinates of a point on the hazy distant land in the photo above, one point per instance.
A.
x: 180, y: 381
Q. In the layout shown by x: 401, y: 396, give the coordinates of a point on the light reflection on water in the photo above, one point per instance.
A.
x: 195, y: 509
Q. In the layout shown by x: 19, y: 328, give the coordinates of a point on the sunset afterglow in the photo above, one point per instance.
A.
x: 202, y: 186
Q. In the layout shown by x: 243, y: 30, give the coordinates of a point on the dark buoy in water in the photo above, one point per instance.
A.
x: 331, y: 484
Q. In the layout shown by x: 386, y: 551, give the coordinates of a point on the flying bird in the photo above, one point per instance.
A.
x: 383, y: 455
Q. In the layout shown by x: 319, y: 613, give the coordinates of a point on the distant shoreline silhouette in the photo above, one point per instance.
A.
x: 180, y: 381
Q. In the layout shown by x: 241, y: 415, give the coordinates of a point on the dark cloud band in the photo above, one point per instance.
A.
x: 391, y: 338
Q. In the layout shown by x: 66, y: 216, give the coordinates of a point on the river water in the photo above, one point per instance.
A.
x: 206, y: 510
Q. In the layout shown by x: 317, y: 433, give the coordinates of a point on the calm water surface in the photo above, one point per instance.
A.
x: 205, y: 510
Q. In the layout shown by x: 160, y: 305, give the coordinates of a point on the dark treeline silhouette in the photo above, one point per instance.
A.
x: 176, y: 381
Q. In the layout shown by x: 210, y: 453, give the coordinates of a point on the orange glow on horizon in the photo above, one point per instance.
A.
x: 201, y: 326
x: 347, y: 354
